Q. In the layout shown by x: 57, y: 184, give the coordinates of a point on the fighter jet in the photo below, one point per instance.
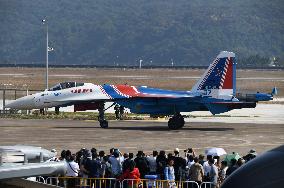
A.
x: 215, y: 91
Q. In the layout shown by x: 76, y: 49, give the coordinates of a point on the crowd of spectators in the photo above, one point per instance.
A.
x: 172, y: 166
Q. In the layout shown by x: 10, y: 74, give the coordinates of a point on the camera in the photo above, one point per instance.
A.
x: 189, y: 150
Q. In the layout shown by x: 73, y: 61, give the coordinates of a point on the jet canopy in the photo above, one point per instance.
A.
x: 65, y: 85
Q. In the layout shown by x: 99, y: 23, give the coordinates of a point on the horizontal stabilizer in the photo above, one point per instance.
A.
x: 221, y: 107
x: 274, y: 91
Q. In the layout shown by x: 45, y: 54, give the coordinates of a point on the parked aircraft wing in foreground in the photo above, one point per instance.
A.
x: 10, y: 171
x: 265, y: 171
x: 215, y: 91
x: 16, y: 153
x: 20, y: 161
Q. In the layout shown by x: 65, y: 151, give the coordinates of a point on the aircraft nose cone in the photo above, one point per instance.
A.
x: 24, y: 103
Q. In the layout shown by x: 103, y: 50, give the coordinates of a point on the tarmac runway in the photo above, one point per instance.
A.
x: 130, y: 136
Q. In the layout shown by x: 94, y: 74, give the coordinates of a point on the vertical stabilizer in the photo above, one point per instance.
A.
x: 219, y: 79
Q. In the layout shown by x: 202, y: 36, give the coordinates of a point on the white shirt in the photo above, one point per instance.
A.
x: 188, y: 163
x: 169, y: 173
x: 206, y: 168
x: 72, y: 169
x: 223, y: 172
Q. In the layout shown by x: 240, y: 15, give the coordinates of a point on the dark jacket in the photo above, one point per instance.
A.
x: 142, y: 165
x: 93, y: 166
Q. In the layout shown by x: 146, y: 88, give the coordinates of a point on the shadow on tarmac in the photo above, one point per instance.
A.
x: 152, y: 128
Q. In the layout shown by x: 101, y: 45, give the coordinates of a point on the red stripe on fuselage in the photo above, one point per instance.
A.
x: 127, y: 90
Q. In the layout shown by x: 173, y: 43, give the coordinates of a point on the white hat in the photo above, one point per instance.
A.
x: 177, y: 150
x: 53, y: 150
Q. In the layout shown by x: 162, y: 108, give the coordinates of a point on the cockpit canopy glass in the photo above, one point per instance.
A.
x: 65, y: 85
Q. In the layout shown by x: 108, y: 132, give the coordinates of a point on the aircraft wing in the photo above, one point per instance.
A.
x: 12, y: 170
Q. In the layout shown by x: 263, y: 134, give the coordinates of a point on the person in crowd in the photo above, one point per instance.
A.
x: 79, y: 156
x: 179, y: 165
x: 72, y: 171
x: 240, y: 162
x: 232, y: 168
x: 207, y: 168
x: 201, y: 159
x: 62, y: 155
x: 125, y: 164
x: 93, y: 150
x: 142, y: 164
x: 121, y: 112
x: 115, y: 164
x: 251, y: 155
x: 101, y: 155
x: 54, y: 158
x: 189, y: 160
x: 217, y: 161
x: 87, y: 155
x: 131, y: 156
x: 125, y: 156
x: 170, y: 155
x: 92, y: 167
x: 152, y: 163
x: 111, y: 150
x: 213, y: 173
x: 169, y: 173
x: 116, y: 110
x: 106, y: 170
x: 196, y: 171
x: 161, y: 164
x: 133, y: 174
x: 222, y: 172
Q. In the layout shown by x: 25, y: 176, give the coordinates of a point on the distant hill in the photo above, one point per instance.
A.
x: 111, y: 32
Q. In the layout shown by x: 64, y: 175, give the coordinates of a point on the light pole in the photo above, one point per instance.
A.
x: 44, y: 21
x: 140, y: 63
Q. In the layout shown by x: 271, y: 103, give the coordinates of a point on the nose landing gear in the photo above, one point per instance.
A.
x: 101, y: 118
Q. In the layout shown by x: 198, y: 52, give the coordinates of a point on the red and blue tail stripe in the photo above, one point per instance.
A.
x: 219, y: 75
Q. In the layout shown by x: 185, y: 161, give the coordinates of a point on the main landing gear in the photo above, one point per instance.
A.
x: 57, y: 110
x: 101, y: 118
x: 176, y: 122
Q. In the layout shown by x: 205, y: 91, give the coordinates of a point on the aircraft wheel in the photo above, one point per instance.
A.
x: 181, y: 120
x: 104, y: 124
x: 57, y: 110
x: 176, y: 122
x: 41, y: 111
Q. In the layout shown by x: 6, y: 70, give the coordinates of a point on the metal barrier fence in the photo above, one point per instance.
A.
x: 83, y: 182
x: 148, y: 183
x: 206, y: 185
x: 80, y: 182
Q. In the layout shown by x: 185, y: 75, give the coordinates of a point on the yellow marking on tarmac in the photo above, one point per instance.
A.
x: 91, y: 120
